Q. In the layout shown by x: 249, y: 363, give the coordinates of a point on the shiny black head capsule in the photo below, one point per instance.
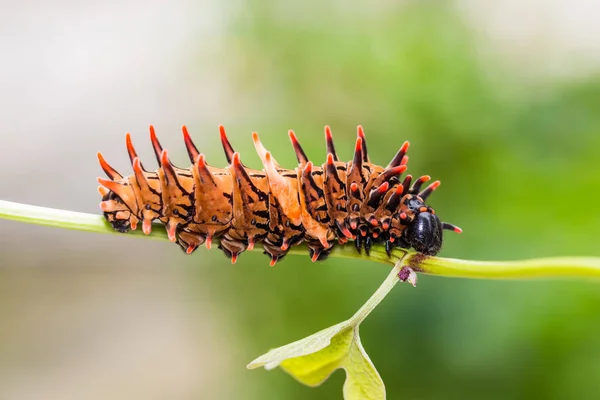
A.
x: 424, y: 233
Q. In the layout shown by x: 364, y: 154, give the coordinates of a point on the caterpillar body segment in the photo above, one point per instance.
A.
x: 318, y: 204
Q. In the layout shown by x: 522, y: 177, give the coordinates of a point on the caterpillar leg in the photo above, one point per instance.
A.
x: 232, y: 247
x: 274, y: 252
x: 316, y: 250
x: 190, y: 241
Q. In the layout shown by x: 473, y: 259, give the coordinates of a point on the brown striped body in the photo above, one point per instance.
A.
x: 278, y: 207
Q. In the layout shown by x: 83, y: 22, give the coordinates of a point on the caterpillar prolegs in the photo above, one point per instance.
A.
x: 277, y: 207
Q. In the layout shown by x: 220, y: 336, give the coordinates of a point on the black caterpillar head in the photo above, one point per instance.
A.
x: 424, y: 232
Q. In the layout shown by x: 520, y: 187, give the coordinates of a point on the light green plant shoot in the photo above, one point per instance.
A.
x: 313, y: 359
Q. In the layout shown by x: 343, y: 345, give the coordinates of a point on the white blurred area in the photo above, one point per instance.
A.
x: 83, y: 316
x: 542, y: 39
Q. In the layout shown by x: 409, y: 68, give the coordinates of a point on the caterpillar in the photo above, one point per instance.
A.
x: 278, y: 207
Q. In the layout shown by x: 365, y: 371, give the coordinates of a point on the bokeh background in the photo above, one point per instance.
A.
x: 500, y: 100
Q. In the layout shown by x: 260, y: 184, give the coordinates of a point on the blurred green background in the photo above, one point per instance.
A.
x: 500, y: 102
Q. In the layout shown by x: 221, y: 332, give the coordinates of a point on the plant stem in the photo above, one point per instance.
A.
x: 65, y: 219
x: 382, y: 291
x: 555, y: 267
x: 560, y: 267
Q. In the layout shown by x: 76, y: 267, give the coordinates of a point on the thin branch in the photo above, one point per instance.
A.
x: 559, y: 267
x: 555, y: 267
x: 64, y: 219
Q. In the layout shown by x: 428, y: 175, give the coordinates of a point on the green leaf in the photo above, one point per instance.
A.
x: 344, y: 351
x: 313, y: 359
x: 364, y: 382
x: 302, y: 347
x: 313, y: 369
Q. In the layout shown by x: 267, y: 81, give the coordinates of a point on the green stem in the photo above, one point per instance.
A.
x: 560, y: 267
x: 382, y: 291
x: 64, y: 219
x: 556, y: 267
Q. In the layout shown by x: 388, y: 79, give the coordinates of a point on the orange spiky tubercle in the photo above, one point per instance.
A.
x: 277, y: 207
